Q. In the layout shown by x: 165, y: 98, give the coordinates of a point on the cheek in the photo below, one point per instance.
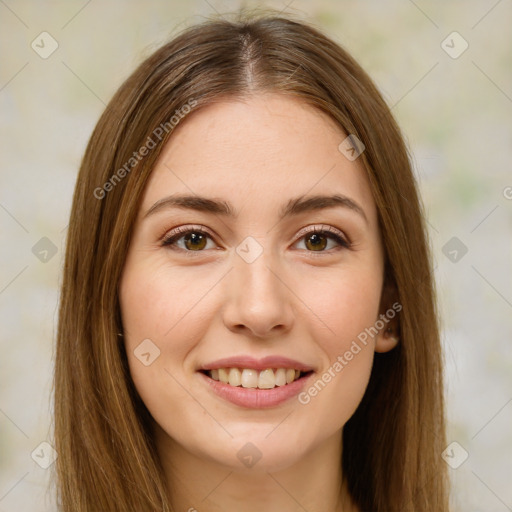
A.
x: 346, y: 304
x: 163, y: 318
x: 159, y: 303
x: 165, y: 313
x: 334, y: 394
x: 348, y: 307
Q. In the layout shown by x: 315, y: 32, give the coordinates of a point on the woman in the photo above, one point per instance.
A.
x: 247, y: 316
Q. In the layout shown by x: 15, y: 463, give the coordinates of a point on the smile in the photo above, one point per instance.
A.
x: 256, y: 389
x: 268, y: 378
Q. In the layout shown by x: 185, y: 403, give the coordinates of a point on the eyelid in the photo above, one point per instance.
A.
x: 174, y: 234
x: 322, y: 228
x: 184, y: 230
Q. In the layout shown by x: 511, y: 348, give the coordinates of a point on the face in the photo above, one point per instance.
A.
x: 253, y: 280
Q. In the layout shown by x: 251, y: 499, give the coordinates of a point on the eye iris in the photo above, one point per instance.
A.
x: 317, y: 241
x: 197, y: 241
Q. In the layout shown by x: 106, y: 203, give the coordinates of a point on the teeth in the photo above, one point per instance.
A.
x: 280, y: 377
x: 235, y: 377
x: 267, y: 379
x: 250, y: 378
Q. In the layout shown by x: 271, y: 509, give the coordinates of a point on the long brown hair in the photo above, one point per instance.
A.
x: 107, y: 460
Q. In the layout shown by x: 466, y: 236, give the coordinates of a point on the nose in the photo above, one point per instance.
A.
x: 259, y: 300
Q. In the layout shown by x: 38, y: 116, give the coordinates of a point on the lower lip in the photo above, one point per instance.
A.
x: 254, y: 398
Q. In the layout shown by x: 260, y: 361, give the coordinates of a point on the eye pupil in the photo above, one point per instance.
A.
x: 197, y: 240
x: 318, y: 242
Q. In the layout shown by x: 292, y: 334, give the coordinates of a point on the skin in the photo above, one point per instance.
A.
x: 293, y: 301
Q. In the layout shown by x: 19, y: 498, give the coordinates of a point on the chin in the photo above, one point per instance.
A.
x: 257, y: 449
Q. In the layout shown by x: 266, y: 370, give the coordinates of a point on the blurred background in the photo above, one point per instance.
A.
x: 445, y: 68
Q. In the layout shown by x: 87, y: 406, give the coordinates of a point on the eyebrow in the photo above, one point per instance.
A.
x: 294, y: 206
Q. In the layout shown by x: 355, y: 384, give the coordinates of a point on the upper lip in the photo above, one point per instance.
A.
x: 257, y: 364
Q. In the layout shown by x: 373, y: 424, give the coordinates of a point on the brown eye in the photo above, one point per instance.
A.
x: 195, y: 241
x: 190, y: 240
x: 323, y: 240
x: 316, y: 242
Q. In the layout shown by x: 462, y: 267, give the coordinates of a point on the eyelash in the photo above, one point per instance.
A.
x: 172, y: 237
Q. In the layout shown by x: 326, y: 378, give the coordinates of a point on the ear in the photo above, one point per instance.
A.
x: 388, y: 336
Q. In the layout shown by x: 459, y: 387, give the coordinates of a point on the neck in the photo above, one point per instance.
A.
x: 314, y: 483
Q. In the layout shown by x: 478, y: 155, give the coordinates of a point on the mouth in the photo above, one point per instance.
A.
x: 251, y: 378
x: 256, y: 383
x: 255, y: 388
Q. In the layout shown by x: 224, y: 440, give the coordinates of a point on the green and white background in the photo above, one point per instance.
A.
x: 446, y: 70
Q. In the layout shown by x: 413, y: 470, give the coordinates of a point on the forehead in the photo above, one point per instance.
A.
x: 265, y: 148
